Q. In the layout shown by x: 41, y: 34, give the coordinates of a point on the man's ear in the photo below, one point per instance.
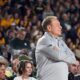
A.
x: 49, y: 28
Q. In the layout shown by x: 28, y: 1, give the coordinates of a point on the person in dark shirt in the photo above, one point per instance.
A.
x: 20, y: 42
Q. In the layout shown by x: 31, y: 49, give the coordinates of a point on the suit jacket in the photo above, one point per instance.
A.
x: 77, y: 77
x: 73, y: 77
x: 52, y: 57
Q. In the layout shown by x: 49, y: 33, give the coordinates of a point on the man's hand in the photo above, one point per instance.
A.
x: 56, y: 48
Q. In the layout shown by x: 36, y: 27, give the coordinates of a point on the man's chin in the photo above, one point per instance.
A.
x: 60, y: 34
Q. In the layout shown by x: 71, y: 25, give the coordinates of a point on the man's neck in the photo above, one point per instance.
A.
x: 55, y: 36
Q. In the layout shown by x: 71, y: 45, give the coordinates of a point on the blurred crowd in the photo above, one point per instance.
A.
x: 20, y: 25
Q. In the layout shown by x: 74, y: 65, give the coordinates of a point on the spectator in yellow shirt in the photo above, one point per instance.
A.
x: 6, y: 22
x: 2, y: 40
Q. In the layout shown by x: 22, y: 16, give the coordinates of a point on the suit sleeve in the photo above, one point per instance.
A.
x: 70, y: 55
x: 57, y: 54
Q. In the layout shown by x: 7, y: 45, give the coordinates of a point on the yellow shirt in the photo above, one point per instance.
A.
x: 2, y: 41
x: 3, y: 22
x: 17, y: 21
x: 6, y: 23
x: 2, y: 2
